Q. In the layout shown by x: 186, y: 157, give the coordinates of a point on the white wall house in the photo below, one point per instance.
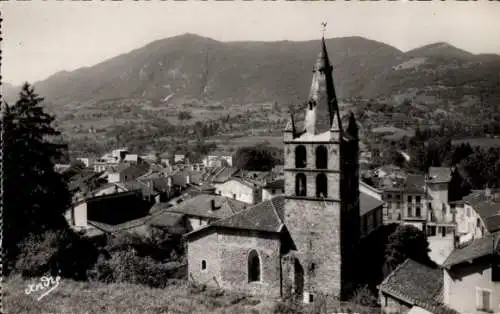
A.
x: 240, y: 190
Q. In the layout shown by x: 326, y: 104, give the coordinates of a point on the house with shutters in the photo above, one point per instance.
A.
x: 472, y: 276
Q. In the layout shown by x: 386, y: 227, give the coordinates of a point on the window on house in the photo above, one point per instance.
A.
x: 321, y: 185
x: 468, y: 211
x: 234, y: 196
x: 203, y: 264
x: 300, y: 157
x: 321, y: 157
x: 253, y: 266
x: 409, y: 198
x: 398, y: 197
x: 417, y: 199
x: 418, y: 211
x: 311, y: 298
x: 410, y: 212
x: 273, y: 191
x: 389, y: 196
x: 300, y: 185
x: 483, y: 300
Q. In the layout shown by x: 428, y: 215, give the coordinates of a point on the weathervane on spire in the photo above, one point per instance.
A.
x: 323, y: 28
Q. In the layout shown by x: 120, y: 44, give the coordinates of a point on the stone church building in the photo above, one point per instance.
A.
x: 302, y: 242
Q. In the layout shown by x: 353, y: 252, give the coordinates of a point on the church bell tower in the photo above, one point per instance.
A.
x: 322, y: 191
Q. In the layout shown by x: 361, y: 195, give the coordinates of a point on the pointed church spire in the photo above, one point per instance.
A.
x: 322, y: 106
x: 352, y: 127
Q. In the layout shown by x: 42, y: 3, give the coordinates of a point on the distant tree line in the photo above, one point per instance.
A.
x: 478, y: 167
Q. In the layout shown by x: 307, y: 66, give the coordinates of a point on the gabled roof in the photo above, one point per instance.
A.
x: 166, y: 219
x: 477, y: 248
x: 487, y: 207
x: 265, y: 217
x: 367, y: 203
x: 201, y: 206
x: 418, y: 285
x: 439, y: 174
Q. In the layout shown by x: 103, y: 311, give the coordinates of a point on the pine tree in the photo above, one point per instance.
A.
x: 35, y: 196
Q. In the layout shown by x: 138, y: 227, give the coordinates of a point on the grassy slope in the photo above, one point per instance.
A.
x: 72, y: 297
x: 92, y: 297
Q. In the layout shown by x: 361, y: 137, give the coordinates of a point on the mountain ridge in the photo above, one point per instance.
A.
x: 190, y: 66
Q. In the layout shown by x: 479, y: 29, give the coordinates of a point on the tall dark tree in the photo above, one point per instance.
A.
x: 35, y: 196
x: 256, y: 158
x: 406, y: 242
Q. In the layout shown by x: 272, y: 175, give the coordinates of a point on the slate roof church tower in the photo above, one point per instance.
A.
x: 321, y: 209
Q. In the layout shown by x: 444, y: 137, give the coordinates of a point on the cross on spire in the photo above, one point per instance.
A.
x: 323, y: 28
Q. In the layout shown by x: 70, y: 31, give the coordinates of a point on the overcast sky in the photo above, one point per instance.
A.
x: 41, y: 38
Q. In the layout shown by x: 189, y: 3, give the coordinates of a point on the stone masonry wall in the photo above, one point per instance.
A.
x: 315, y: 230
x: 234, y: 250
x: 204, y: 248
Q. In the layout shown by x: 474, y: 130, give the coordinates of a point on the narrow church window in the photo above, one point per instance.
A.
x: 321, y: 157
x: 203, y: 265
x: 321, y: 185
x: 253, y: 266
x: 311, y: 298
x: 300, y: 157
x: 300, y: 185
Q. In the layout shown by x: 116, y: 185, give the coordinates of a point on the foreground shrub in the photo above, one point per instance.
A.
x: 63, y: 253
x: 127, y: 266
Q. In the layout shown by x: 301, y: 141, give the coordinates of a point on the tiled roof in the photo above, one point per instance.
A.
x: 200, y: 206
x: 367, y: 203
x: 276, y: 184
x: 439, y: 174
x: 119, y: 167
x: 265, y: 216
x: 475, y: 249
x: 415, y: 183
x: 418, y: 285
x: 166, y: 219
x: 487, y: 207
x: 81, y: 178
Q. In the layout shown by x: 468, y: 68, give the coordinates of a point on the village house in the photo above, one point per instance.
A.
x: 218, y: 160
x: 178, y: 158
x: 196, y: 212
x: 437, y: 182
x: 477, y: 214
x: 110, y: 209
x: 87, y: 161
x: 302, y: 243
x: 132, y: 159
x: 126, y: 172
x: 239, y: 189
x: 413, y: 285
x: 472, y: 276
x: 272, y: 189
x: 419, y: 200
